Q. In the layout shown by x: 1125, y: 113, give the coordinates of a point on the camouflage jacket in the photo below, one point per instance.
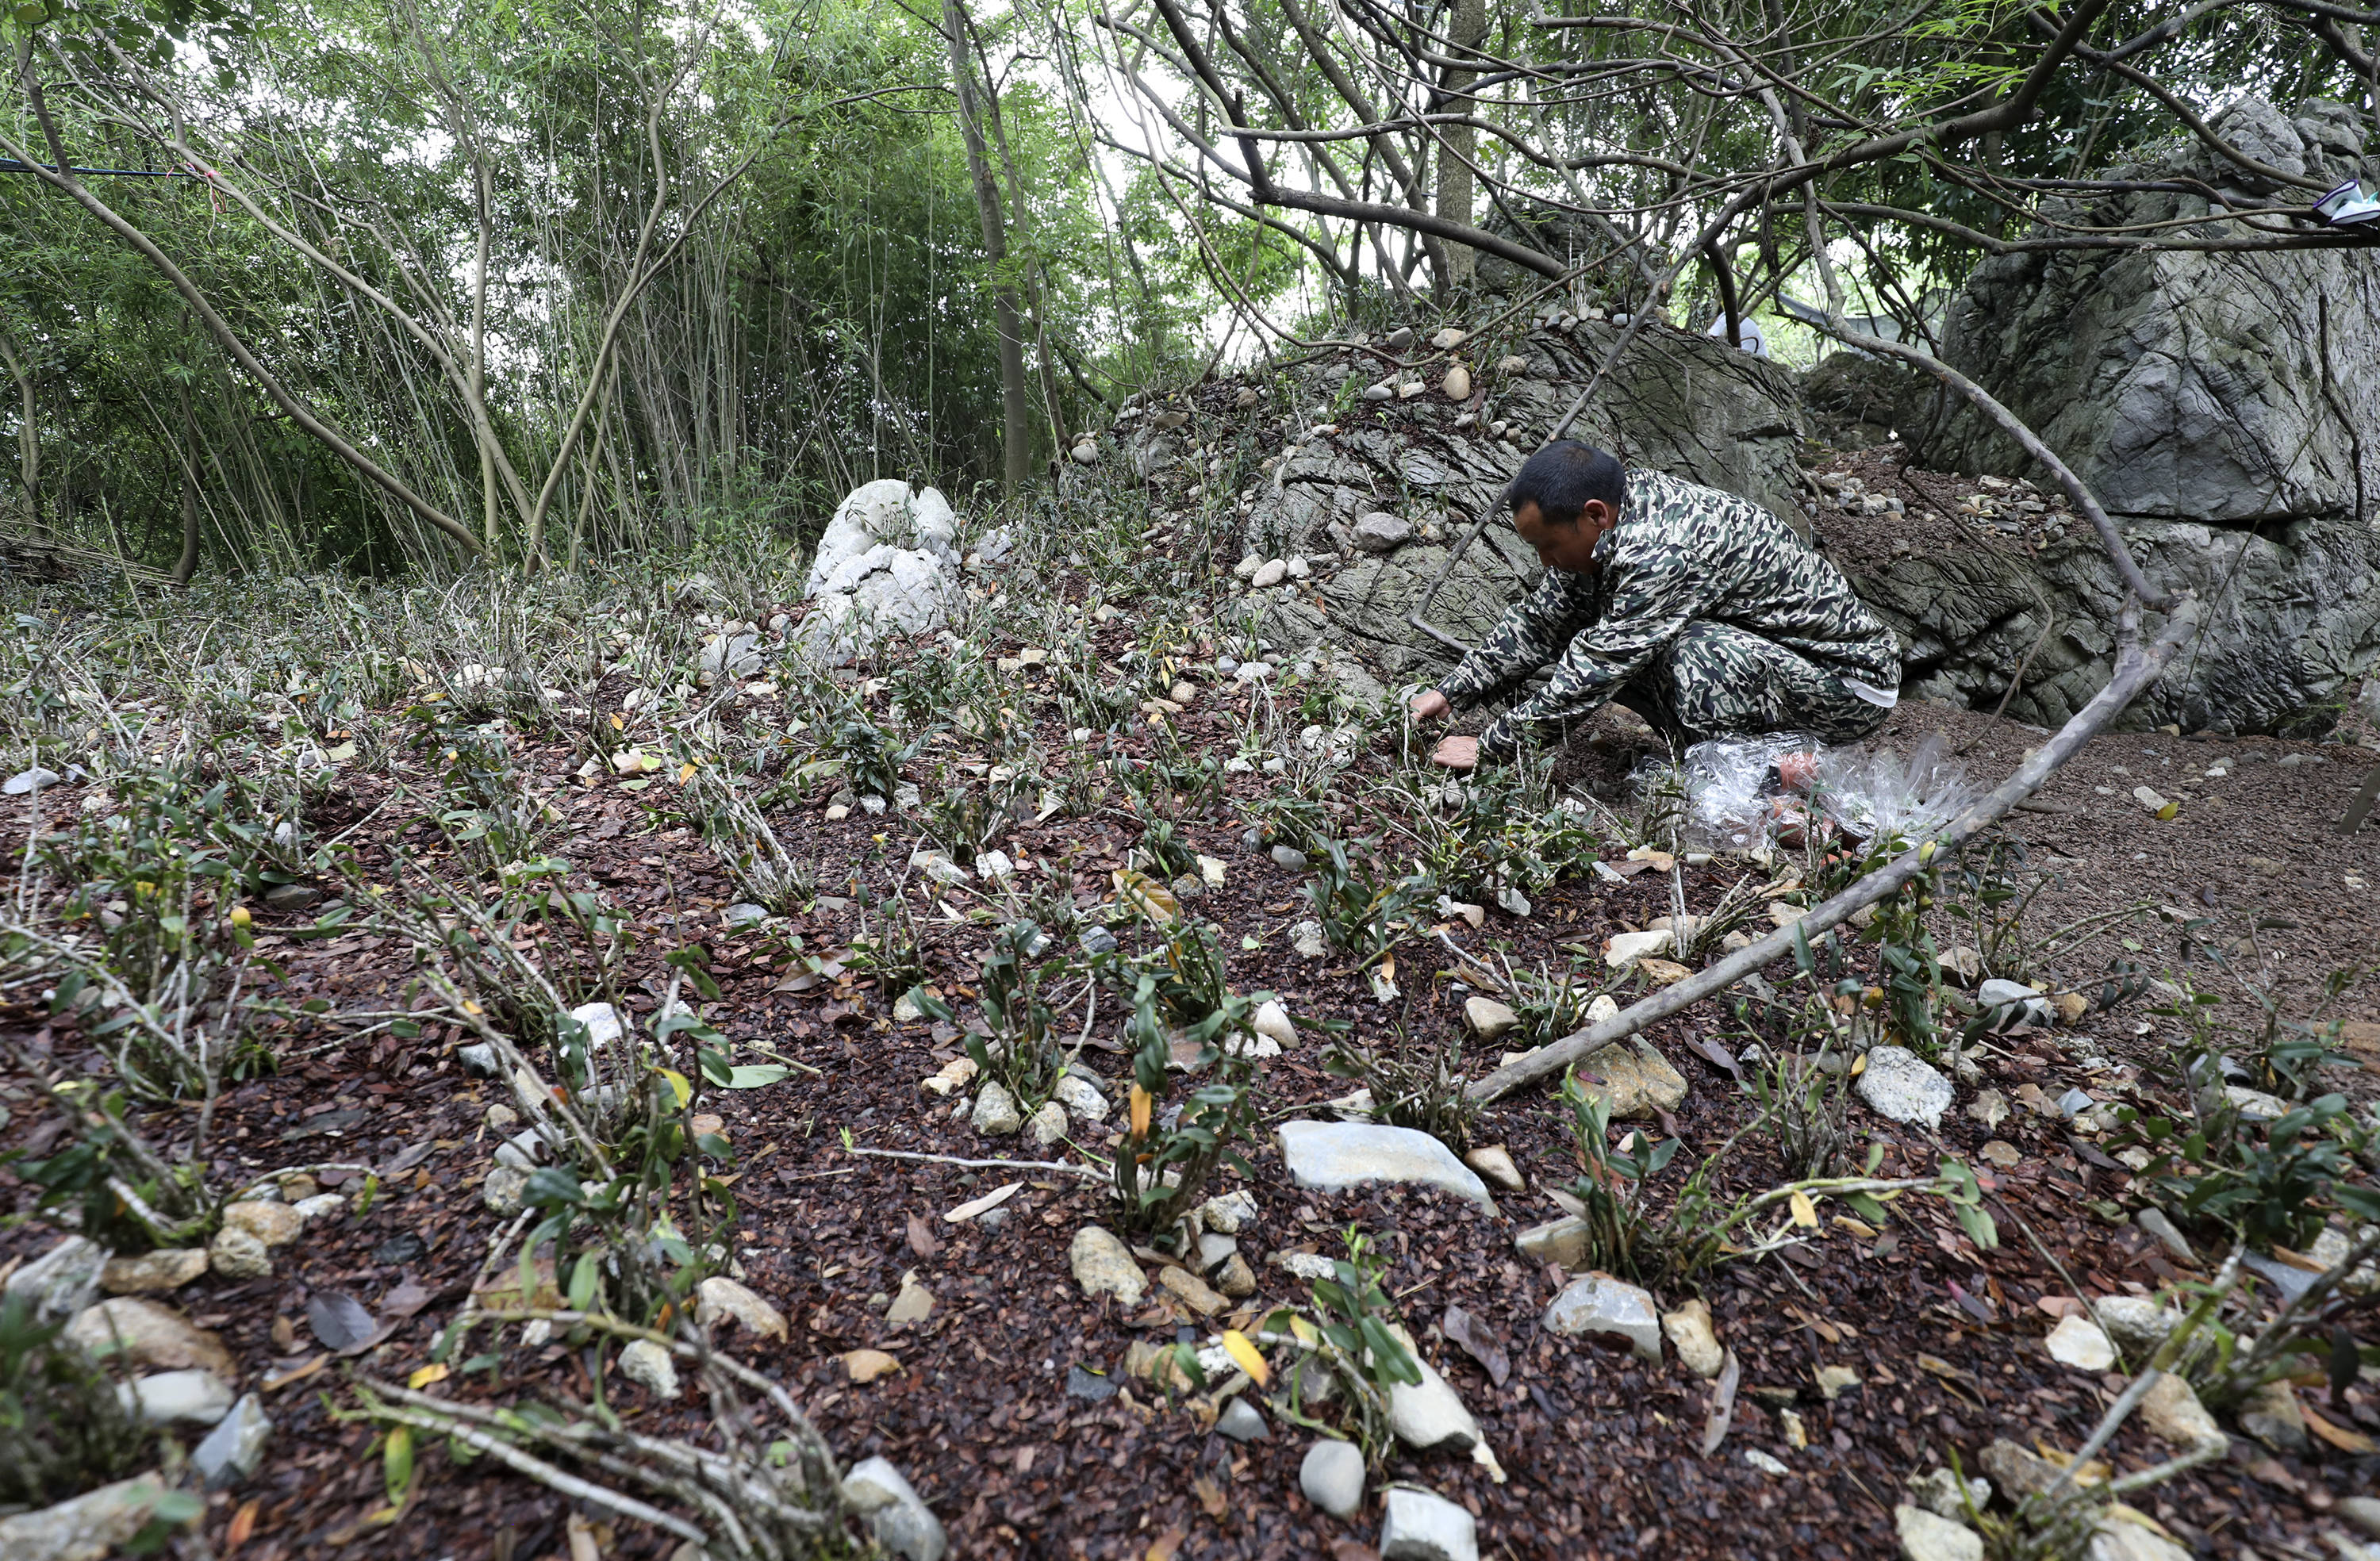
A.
x: 1681, y: 553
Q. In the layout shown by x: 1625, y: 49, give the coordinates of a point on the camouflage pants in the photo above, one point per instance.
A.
x: 1715, y: 680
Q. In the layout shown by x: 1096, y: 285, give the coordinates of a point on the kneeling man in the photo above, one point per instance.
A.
x: 1701, y: 611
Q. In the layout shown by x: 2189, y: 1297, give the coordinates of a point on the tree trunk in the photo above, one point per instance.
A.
x: 29, y: 437
x: 1461, y: 145
x: 1016, y: 420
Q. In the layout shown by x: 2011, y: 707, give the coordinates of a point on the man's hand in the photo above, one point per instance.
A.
x: 1456, y: 752
x: 1429, y: 704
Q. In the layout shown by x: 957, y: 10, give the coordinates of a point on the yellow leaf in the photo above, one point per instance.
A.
x: 1805, y: 1213
x: 2346, y: 1441
x: 1147, y: 896
x: 424, y: 1376
x: 1236, y: 1345
x: 684, y: 773
x: 471, y: 1008
x: 1141, y: 1101
x: 679, y: 1086
x: 1859, y: 1065
x: 1305, y: 1332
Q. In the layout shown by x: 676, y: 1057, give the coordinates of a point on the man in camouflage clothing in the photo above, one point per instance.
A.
x: 1701, y: 611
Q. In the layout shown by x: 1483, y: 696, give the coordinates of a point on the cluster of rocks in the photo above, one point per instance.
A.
x: 888, y: 563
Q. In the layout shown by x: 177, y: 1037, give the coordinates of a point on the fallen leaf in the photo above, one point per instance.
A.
x: 339, y: 1321
x: 294, y: 1373
x: 1478, y: 1341
x: 1722, y: 1407
x: 1940, y: 1367
x: 914, y: 1304
x: 424, y: 1376
x: 2339, y: 1436
x: 1147, y: 896
x: 866, y: 1365
x: 1805, y: 1213
x: 1166, y: 1543
x: 983, y: 1205
x: 1717, y: 1055
x: 242, y: 1524
x: 921, y: 1237
x: 404, y: 1300
x: 2062, y: 1306
x: 1211, y: 1497
x: 284, y: 1335
x: 1248, y: 1358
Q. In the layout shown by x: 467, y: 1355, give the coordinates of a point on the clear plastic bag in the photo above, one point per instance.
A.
x: 1732, y: 797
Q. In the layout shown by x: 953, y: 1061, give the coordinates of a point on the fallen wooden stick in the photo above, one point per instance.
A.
x: 2134, y: 672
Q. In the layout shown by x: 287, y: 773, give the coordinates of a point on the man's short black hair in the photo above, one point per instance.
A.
x: 1563, y: 475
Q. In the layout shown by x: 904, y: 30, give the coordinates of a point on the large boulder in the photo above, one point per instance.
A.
x: 1677, y: 402
x: 2221, y: 406
x: 888, y: 563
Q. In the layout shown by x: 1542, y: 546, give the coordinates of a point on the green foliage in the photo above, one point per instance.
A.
x: 1620, y: 1234
x: 1024, y: 1053
x: 1175, y: 1138
x: 2270, y: 1186
x: 63, y: 1430
x: 1414, y: 1084
x: 1353, y: 1355
x: 1361, y: 910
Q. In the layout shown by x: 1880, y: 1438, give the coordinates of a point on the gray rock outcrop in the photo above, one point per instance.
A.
x: 887, y: 564
x: 2222, y: 404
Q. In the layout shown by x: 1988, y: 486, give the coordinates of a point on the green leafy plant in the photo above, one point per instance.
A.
x: 1362, y: 910
x: 1352, y: 1349
x: 1620, y: 1231
x: 1024, y: 1053
x: 1169, y: 1154
x: 1412, y: 1083
x: 63, y: 1429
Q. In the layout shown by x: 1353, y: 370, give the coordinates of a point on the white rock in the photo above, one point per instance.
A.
x: 25, y: 780
x: 603, y: 1023
x: 900, y: 1520
x: 1048, y: 1125
x: 500, y: 1190
x: 2116, y: 1540
x: 1242, y: 1422
x: 1380, y: 532
x: 1272, y: 573
x: 1449, y: 339
x: 1430, y: 1414
x: 1938, y: 1491
x: 1334, y: 1156
x: 1418, y: 1526
x: 864, y: 584
x: 1494, y: 1162
x: 1081, y: 1098
x: 166, y: 1397
x: 2013, y: 1004
x: 2137, y: 1323
x: 995, y: 1114
x: 1597, y: 1303
x: 1272, y: 1021
x: 238, y: 1255
x: 63, y: 1280
x: 1457, y: 383
x: 649, y: 1365
x: 149, y: 1337
x: 1626, y: 948
x: 322, y: 1205
x: 1104, y: 1265
x: 1231, y: 1214
x: 1903, y: 1086
x: 90, y: 1526
x: 1689, y: 1328
x: 1246, y: 567
x: 1488, y: 1019
x: 2171, y: 1410
x: 1332, y: 1477
x: 2077, y: 1342
x: 720, y: 1297
x: 2254, y: 1105
x: 234, y: 1449
x: 1925, y: 1537
x: 1305, y: 941
x: 167, y: 1269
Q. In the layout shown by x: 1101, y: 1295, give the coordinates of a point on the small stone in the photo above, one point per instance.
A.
x: 1273, y: 573
x: 1597, y: 1303
x: 1561, y: 1241
x: 1332, y: 1477
x: 1430, y: 1414
x: 649, y: 1365
x: 1457, y: 383
x: 1622, y: 949
x: 2015, y: 1469
x: 1241, y: 1422
x: 1231, y: 1214
x: 1048, y: 1124
x: 480, y: 1059
x: 1938, y: 1491
x: 1835, y: 1381
x: 2001, y: 1152
x: 2361, y: 1511
x: 900, y: 1520
x: 2138, y: 1324
x: 153, y: 1337
x: 166, y: 1270
x: 1236, y: 1279
x: 275, y: 1225
x: 1289, y: 856
x: 61, y: 1281
x: 1766, y: 1462
x: 1080, y: 1097
x: 1511, y: 363
x: 500, y: 1190
x: 2254, y: 1105
x: 2271, y: 1415
x: 1926, y: 1537
x: 2155, y: 1222
x: 1634, y: 1078
x: 2119, y: 1539
x: 1494, y: 1162
x: 1191, y: 1291
x: 995, y: 1114
x: 1336, y: 1156
x: 1399, y: 339
x: 1104, y: 1265
x: 1380, y: 532
x: 1418, y: 1526
x: 1903, y: 1087
x: 954, y: 1076
x: 1272, y: 1021
x: 2012, y: 1004
x: 2171, y: 1410
x: 722, y: 1297
x: 322, y: 1205
x: 290, y: 897
x: 234, y: 1449
x: 1305, y: 941
x: 2077, y: 1342
x: 1689, y: 1328
x: 1450, y: 338
x: 173, y: 1397
x: 1488, y: 1019
x: 1213, y: 1248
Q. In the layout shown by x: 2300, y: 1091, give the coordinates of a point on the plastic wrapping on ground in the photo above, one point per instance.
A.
x: 1734, y: 801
